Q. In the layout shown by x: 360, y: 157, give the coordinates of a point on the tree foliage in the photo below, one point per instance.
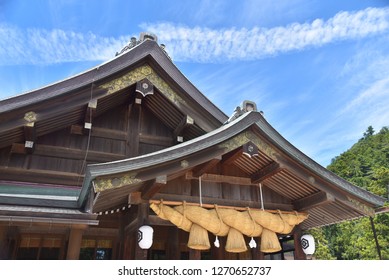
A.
x: 365, y: 164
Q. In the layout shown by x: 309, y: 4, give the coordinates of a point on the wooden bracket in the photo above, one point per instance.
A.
x: 265, y: 172
x: 230, y: 157
x: 29, y: 131
x: 312, y: 201
x: 152, y: 187
x: 30, y: 136
x: 203, y: 168
x: 185, y: 122
x: 89, y: 114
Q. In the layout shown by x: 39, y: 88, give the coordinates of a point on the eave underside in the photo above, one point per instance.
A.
x: 231, y: 177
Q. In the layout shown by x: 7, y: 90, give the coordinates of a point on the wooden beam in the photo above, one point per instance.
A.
x: 217, y: 178
x: 119, y: 135
x: 312, y: 201
x: 185, y: 122
x: 100, y: 132
x: 155, y: 140
x: 76, y: 129
x: 34, y: 201
x: 154, y: 220
x: 154, y: 186
x: 220, y: 201
x: 201, y: 169
x: 265, y: 172
x: 18, y: 148
x: 68, y: 153
x: 41, y: 176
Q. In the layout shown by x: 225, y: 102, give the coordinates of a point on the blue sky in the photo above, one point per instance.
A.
x: 318, y: 69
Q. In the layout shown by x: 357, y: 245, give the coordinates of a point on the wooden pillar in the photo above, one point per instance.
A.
x: 74, y: 244
x: 173, y: 248
x: 256, y: 254
x: 140, y: 254
x: 142, y: 219
x: 3, y: 243
x: 129, y: 245
x: 298, y: 250
x: 218, y: 253
x: 194, y: 254
x: 133, y: 126
x: 121, y: 237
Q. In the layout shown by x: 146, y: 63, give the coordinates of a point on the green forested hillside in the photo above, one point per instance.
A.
x: 366, y: 164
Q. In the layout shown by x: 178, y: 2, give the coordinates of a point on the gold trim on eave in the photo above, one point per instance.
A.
x: 102, y: 184
x: 139, y: 74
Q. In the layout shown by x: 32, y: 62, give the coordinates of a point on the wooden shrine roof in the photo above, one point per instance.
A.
x: 56, y: 106
x: 280, y: 167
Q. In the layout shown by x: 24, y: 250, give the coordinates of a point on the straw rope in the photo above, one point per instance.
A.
x: 230, y: 222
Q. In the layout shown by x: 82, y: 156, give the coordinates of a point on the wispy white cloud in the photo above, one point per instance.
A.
x: 40, y: 46
x: 204, y: 44
x: 371, y: 96
x: 199, y: 44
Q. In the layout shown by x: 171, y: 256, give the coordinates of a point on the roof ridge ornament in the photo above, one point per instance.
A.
x: 246, y: 106
x: 143, y: 36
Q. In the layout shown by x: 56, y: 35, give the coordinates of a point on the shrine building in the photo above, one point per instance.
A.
x: 129, y: 160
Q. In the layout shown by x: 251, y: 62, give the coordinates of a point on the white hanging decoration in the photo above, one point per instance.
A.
x: 308, y: 244
x: 252, y: 243
x: 145, y: 237
x: 216, y: 243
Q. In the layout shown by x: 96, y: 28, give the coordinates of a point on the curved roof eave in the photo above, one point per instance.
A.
x: 308, y: 163
x: 218, y: 136
x: 135, y: 55
x: 181, y: 150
